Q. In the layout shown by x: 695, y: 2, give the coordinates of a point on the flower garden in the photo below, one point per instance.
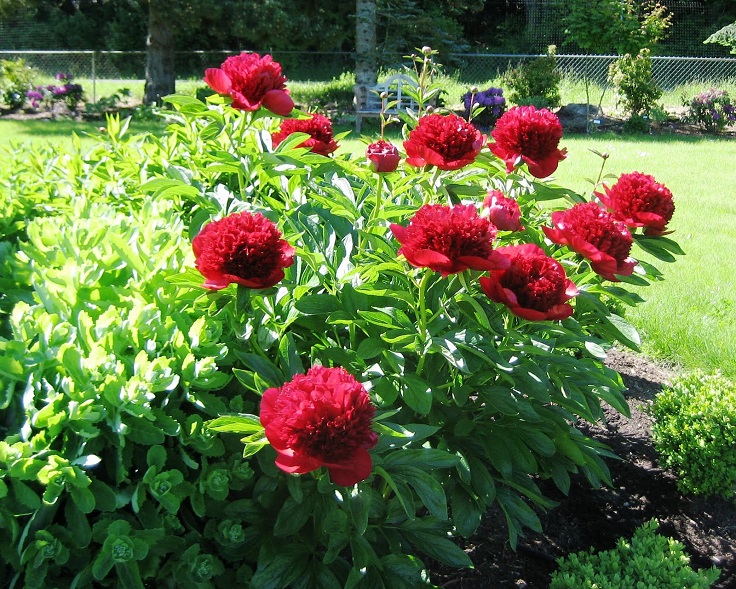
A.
x: 230, y: 358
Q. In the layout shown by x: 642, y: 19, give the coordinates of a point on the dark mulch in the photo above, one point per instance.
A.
x: 598, y: 517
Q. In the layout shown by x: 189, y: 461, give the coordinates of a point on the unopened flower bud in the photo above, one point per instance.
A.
x: 426, y: 50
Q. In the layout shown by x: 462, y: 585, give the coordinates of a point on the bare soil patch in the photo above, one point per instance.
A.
x: 597, y: 518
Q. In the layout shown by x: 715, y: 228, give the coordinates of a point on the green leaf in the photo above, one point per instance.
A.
x: 25, y: 494
x: 400, y: 489
x: 129, y: 576
x: 624, y: 331
x: 265, y: 369
x: 318, y: 304
x: 466, y: 514
x: 417, y: 394
x: 278, y: 572
x: 243, y: 423
x: 430, y: 491
x: 291, y: 518
x: 84, y: 498
x: 436, y: 544
x: 426, y: 458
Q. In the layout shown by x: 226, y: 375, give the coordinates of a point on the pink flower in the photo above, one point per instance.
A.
x: 449, y: 240
x: 502, y: 211
x: 251, y: 81
x: 318, y: 127
x: 640, y: 201
x: 321, y: 418
x: 533, y: 287
x: 446, y: 141
x: 595, y: 234
x: 242, y: 248
x: 383, y: 156
x: 525, y: 134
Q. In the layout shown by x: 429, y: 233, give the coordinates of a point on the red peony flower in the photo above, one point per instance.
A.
x: 318, y: 127
x: 446, y: 141
x: 242, y: 248
x: 383, y: 156
x: 533, y: 287
x: 595, y: 234
x: 525, y: 134
x: 502, y: 211
x: 640, y: 201
x: 449, y: 240
x: 251, y: 81
x: 321, y: 418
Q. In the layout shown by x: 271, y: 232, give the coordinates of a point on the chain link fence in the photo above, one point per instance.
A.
x: 95, y: 67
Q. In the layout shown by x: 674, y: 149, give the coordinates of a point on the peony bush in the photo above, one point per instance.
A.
x: 235, y: 358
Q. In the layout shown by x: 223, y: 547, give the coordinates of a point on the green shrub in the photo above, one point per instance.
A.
x: 634, y: 83
x: 647, y: 561
x: 132, y: 451
x: 319, y: 96
x: 695, y: 432
x: 535, y: 83
x: 16, y: 78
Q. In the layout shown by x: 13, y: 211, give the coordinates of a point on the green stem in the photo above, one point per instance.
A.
x: 422, y: 317
x: 379, y: 192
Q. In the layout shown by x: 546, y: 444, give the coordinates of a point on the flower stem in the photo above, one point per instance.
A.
x: 379, y: 191
x: 422, y: 318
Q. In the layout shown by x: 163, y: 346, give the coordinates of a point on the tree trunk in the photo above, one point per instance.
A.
x: 366, y: 71
x: 160, y: 69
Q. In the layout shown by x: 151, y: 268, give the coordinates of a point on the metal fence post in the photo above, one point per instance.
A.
x: 94, y: 78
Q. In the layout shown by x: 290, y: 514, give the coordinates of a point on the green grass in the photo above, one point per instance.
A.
x: 688, y: 318
x: 60, y: 132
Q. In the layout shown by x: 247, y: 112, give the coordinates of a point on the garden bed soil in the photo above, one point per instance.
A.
x: 597, y: 518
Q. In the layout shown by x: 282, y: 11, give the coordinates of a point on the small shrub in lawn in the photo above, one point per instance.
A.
x: 647, y: 561
x: 635, y: 87
x: 694, y: 432
x: 712, y: 110
x: 239, y: 359
x: 16, y: 78
x: 536, y: 83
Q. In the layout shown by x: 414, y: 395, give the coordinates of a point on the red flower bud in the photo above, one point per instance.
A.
x: 502, y: 211
x: 318, y: 127
x: 383, y: 156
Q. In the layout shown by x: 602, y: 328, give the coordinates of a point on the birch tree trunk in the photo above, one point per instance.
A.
x: 366, y: 73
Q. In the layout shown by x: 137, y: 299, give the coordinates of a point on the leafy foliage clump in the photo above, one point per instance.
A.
x: 535, y: 83
x: 712, y: 110
x: 647, y: 561
x: 16, y: 78
x: 132, y: 451
x: 695, y: 432
x: 634, y: 82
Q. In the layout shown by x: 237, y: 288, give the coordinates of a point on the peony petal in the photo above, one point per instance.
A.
x: 278, y: 102
x: 496, y: 261
x: 427, y: 258
x: 359, y: 469
x: 218, y: 80
x: 400, y: 232
x: 268, y: 402
x: 289, y: 461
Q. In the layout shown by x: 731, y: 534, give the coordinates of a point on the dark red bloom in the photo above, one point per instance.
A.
x: 595, y: 234
x: 525, y: 134
x: 251, y: 81
x: 446, y: 141
x: 319, y: 129
x: 502, y: 211
x: 449, y: 240
x: 533, y: 287
x: 640, y: 201
x: 242, y: 248
x: 321, y: 418
x: 383, y: 156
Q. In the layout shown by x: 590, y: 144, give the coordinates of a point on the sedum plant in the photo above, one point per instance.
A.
x: 244, y: 359
x: 646, y: 561
x: 694, y: 432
